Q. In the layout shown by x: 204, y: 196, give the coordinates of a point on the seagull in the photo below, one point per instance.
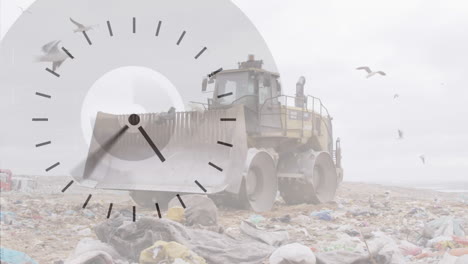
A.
x: 53, y: 54
x: 81, y: 27
x: 24, y: 10
x: 423, y: 159
x: 396, y: 96
x: 400, y: 134
x: 370, y: 73
x: 169, y: 115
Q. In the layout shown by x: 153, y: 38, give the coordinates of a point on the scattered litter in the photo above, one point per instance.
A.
x: 461, y: 240
x: 131, y: 238
x: 302, y: 220
x: 282, y: 219
x: 459, y: 252
x: 417, y: 212
x: 94, y: 251
x: 171, y: 252
x: 176, y: 214
x: 88, y: 213
x: 381, y: 249
x: 293, y: 254
x: 49, y: 227
x: 344, y: 243
x: 448, y: 259
x: 272, y: 238
x: 199, y: 210
x: 85, y: 232
x: 70, y: 212
x: 9, y: 256
x: 409, y: 249
x: 7, y: 217
x: 323, y: 215
x: 256, y: 219
x: 444, y: 226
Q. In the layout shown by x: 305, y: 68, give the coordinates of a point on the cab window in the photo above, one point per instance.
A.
x: 236, y: 83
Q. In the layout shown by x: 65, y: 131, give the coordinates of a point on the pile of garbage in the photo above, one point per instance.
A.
x: 377, y: 227
x: 192, y: 235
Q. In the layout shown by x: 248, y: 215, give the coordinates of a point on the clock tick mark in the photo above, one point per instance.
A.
x: 54, y: 73
x: 109, y: 211
x: 159, y: 28
x: 87, y: 200
x: 43, y: 95
x: 225, y: 144
x: 134, y: 213
x: 200, y: 53
x: 228, y: 119
x: 68, y: 185
x: 201, y: 186
x: 87, y: 38
x: 180, y: 200
x: 43, y: 144
x: 159, y: 211
x: 52, y: 167
x: 134, y: 25
x: 215, y: 166
x: 181, y: 37
x: 215, y: 72
x: 68, y: 53
x: 109, y: 27
x: 40, y: 119
x: 224, y: 95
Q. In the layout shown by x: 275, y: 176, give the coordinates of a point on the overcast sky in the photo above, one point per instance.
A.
x: 420, y: 44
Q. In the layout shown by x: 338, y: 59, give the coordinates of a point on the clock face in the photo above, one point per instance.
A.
x: 103, y: 91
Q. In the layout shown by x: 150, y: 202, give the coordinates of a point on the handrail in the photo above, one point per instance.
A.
x: 304, y: 109
x: 294, y: 97
x: 203, y: 104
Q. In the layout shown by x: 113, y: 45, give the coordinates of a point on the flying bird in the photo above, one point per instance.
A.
x: 423, y: 159
x: 52, y: 53
x: 400, y: 134
x: 369, y: 72
x: 396, y: 96
x: 80, y: 27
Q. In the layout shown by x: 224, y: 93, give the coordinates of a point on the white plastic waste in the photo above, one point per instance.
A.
x: 293, y: 254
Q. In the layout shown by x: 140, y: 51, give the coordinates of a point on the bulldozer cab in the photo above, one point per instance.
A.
x: 251, y: 86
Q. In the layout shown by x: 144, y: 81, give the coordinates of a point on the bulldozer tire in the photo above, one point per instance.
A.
x: 148, y: 199
x: 318, y: 185
x: 260, y: 184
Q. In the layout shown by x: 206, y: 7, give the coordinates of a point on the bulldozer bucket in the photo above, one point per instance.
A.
x: 203, y: 152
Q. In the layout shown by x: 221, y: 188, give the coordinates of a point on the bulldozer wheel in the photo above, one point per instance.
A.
x: 318, y: 185
x: 147, y: 199
x: 260, y: 183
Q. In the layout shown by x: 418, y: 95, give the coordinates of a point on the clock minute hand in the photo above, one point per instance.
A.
x: 150, y: 142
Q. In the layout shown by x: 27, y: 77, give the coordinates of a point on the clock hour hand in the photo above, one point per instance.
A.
x: 89, y: 164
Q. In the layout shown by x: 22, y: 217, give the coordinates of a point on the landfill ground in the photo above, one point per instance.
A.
x: 47, y: 224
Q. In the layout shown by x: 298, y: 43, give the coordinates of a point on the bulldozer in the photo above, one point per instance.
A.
x: 248, y: 143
